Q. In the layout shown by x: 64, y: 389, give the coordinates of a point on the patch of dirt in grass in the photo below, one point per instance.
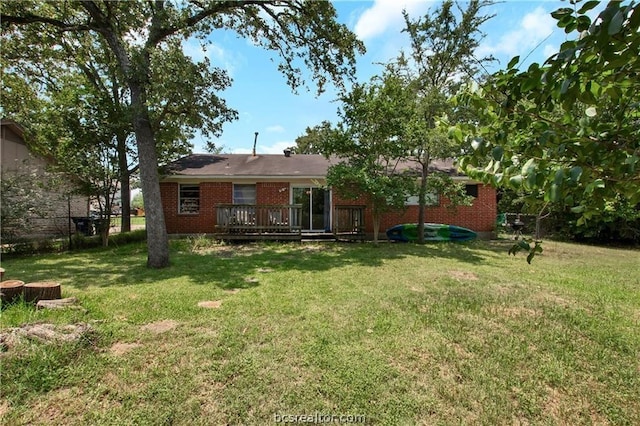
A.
x: 159, y: 326
x: 565, y: 409
x: 232, y: 290
x: 45, y: 333
x: 251, y: 280
x: 264, y: 270
x: 463, y: 275
x: 460, y: 351
x: 548, y: 298
x: 314, y: 248
x: 512, y: 311
x: 119, y: 348
x: 210, y: 304
x: 4, y: 409
x: 209, y: 394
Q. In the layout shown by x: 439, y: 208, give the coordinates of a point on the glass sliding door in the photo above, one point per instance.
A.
x: 316, y: 207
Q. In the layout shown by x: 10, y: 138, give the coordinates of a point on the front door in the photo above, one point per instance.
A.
x: 316, y: 205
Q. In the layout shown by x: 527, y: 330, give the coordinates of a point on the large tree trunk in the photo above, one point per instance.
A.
x: 157, y: 239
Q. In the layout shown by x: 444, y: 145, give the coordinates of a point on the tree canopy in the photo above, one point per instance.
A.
x: 442, y: 56
x: 567, y: 128
x: 301, y: 33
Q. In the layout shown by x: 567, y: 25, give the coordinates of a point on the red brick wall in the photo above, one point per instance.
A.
x: 271, y: 193
x: 479, y: 217
x: 211, y: 193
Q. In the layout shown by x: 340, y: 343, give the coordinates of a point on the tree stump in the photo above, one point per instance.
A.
x: 45, y: 290
x: 11, y: 290
x: 1, y: 274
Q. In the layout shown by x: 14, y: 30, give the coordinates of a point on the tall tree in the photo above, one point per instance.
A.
x: 313, y: 139
x: 366, y: 142
x: 134, y: 31
x: 442, y: 55
x: 182, y: 96
x: 569, y: 127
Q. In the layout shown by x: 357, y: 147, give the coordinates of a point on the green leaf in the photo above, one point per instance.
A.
x: 530, y: 257
x: 497, y: 153
x: 523, y: 244
x: 577, y: 209
x: 559, y: 177
x: 588, y: 6
x: 513, y: 62
x: 562, y: 12
x: 515, y: 181
x: 529, y: 167
x: 554, y: 193
x: 575, y: 173
x: 616, y: 23
x: 476, y: 143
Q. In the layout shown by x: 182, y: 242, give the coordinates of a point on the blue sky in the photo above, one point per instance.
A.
x: 267, y: 105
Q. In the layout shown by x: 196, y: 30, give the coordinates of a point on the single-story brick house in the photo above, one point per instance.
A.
x: 209, y: 193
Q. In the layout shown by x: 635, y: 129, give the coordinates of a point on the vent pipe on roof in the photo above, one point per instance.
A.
x: 254, y: 144
x: 287, y: 152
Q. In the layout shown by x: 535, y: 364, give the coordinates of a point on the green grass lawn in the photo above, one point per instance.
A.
x: 397, y: 333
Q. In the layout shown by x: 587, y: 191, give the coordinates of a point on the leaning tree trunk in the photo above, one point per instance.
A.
x: 157, y: 239
x: 137, y: 80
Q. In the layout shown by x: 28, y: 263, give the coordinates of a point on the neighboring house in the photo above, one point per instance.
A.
x: 244, y: 193
x: 17, y: 160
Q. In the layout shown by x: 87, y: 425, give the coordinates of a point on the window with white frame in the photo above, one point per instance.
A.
x: 244, y: 193
x: 431, y: 199
x: 189, y: 199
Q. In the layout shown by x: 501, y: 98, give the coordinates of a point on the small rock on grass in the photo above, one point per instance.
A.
x: 210, y: 304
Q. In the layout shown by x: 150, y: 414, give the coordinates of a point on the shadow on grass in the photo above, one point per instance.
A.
x: 233, y: 266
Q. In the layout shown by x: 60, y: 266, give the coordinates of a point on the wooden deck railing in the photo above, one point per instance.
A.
x: 349, y: 220
x: 258, y: 219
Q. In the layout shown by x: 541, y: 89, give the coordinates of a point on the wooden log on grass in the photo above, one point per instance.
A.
x: 44, y: 290
x: 69, y: 302
x: 11, y: 290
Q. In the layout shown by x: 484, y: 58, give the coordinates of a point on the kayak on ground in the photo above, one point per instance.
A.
x: 432, y: 232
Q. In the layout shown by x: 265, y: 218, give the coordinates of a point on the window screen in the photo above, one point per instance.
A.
x: 431, y: 199
x: 189, y: 199
x: 244, y: 194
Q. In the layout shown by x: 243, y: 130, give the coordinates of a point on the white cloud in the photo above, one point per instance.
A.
x: 218, y: 56
x: 386, y: 15
x: 549, y: 50
x: 276, y: 148
x: 275, y: 129
x: 533, y: 28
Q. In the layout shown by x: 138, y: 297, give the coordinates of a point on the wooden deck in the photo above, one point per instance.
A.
x: 247, y: 222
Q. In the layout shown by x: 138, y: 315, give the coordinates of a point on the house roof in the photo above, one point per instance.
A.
x: 272, y: 165
x: 14, y: 126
